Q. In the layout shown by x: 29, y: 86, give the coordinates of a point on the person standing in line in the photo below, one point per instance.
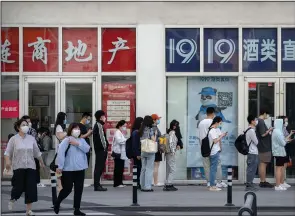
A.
x: 60, y: 134
x: 252, y: 157
x: 136, y: 147
x: 264, y: 147
x: 19, y: 156
x: 203, y: 128
x: 86, y: 133
x: 147, y: 131
x: 72, y: 167
x: 101, y: 145
x: 33, y: 133
x: 170, y: 157
x: 158, y: 155
x: 119, y: 153
x: 215, y: 136
x: 278, y: 150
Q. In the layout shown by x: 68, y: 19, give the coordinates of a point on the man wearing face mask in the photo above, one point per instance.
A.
x: 100, y: 144
x: 264, y: 147
x: 33, y: 133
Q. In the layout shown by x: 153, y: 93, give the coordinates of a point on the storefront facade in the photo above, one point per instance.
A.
x: 128, y: 62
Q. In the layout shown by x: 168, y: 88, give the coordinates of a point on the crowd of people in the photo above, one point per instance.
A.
x: 29, y: 152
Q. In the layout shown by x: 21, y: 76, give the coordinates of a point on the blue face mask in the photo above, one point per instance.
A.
x: 87, y: 121
x: 220, y: 126
x: 158, y: 121
x: 65, y: 121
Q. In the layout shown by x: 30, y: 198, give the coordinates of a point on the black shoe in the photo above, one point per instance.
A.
x: 79, y: 213
x: 100, y: 188
x: 150, y: 190
x: 173, y: 188
x: 167, y: 188
x: 56, y: 208
x: 265, y: 185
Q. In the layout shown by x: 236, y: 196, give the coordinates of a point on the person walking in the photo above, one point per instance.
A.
x: 170, y: 156
x: 119, y: 153
x: 252, y: 157
x: 264, y: 147
x: 158, y: 155
x: 278, y: 150
x: 203, y: 128
x: 147, y: 131
x: 72, y: 163
x: 19, y: 156
x: 215, y: 136
x: 101, y: 145
x: 136, y: 147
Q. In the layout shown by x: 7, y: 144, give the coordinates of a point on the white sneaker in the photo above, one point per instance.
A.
x: 11, y: 204
x: 208, y: 184
x: 121, y: 186
x: 280, y: 188
x: 214, y: 189
x: 30, y: 213
x: 221, y: 185
x: 159, y: 185
x: 86, y: 185
x: 41, y: 185
x: 286, y: 185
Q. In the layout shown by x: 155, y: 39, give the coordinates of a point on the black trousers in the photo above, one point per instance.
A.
x: 138, y: 164
x: 118, y: 172
x: 24, y: 180
x: 38, y: 179
x: 100, y: 160
x: 68, y: 179
x: 88, y: 158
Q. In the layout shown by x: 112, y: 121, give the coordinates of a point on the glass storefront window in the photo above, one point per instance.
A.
x: 119, y: 103
x: 187, y: 99
x: 9, y: 109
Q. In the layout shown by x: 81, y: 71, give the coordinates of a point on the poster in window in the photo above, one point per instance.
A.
x: 9, y: 49
x: 118, y: 101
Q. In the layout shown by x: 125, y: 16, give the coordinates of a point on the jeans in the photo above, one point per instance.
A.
x: 206, y: 164
x: 170, y: 168
x: 147, y: 169
x: 252, y: 165
x: 213, y: 167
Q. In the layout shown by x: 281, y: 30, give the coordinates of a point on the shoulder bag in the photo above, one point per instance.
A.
x: 52, y: 165
x: 148, y: 145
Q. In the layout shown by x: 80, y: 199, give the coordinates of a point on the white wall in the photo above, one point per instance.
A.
x: 173, y: 13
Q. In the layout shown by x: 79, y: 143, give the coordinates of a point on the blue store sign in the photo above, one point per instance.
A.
x: 259, y: 50
x: 288, y: 49
x: 182, y: 50
x: 221, y: 50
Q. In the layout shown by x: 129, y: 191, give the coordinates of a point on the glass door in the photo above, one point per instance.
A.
x: 262, y: 93
x: 41, y: 103
x: 287, y: 108
x: 78, y: 97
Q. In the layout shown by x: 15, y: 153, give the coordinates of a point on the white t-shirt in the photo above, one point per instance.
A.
x: 203, y: 128
x: 214, y: 134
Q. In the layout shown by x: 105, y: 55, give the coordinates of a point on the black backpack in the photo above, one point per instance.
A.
x: 241, y: 143
x: 129, y: 151
x: 205, y: 147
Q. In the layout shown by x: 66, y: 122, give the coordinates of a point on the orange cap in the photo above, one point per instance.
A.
x: 155, y: 117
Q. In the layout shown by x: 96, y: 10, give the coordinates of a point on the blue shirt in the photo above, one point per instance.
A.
x: 76, y: 158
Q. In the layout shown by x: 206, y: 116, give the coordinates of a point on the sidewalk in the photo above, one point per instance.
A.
x: 186, y: 196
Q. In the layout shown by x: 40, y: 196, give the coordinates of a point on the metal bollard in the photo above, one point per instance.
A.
x: 229, y: 186
x: 134, y: 186
x: 250, y: 205
x: 53, y: 187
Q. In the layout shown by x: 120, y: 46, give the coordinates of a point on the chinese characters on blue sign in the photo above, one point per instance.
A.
x: 183, y: 50
x: 288, y: 49
x: 260, y: 50
x: 221, y: 50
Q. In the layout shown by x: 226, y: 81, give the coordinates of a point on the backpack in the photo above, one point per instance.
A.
x: 241, y: 143
x: 164, y: 143
x: 128, y: 148
x: 205, y: 147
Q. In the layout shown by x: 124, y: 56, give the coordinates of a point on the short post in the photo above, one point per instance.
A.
x: 229, y: 186
x: 53, y: 187
x: 134, y: 186
x: 250, y: 205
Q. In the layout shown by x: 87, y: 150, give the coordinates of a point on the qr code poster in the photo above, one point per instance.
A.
x: 221, y: 93
x: 225, y: 99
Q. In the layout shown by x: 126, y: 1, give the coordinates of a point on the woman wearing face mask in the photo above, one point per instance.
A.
x: 215, y: 136
x: 72, y: 167
x: 60, y: 134
x: 119, y: 153
x: 19, y: 156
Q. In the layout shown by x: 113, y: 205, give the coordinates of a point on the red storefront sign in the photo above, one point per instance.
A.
x: 9, y: 109
x: 119, y: 104
x: 252, y: 86
x: 79, y: 50
x: 9, y: 49
x: 118, y: 50
x: 40, y: 46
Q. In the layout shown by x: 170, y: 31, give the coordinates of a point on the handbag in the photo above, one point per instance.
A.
x: 52, y: 165
x: 149, y: 146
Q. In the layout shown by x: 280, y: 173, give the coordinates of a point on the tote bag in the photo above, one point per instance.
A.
x: 149, y: 146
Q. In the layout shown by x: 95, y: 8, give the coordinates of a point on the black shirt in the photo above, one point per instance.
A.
x: 84, y: 130
x: 264, y: 144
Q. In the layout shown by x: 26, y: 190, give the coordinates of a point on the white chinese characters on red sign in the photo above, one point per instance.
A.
x: 9, y: 109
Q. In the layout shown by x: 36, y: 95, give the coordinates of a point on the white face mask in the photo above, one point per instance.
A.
x: 25, y: 129
x: 76, y: 133
x: 124, y: 128
x: 30, y: 124
x: 286, y: 124
x: 256, y: 122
